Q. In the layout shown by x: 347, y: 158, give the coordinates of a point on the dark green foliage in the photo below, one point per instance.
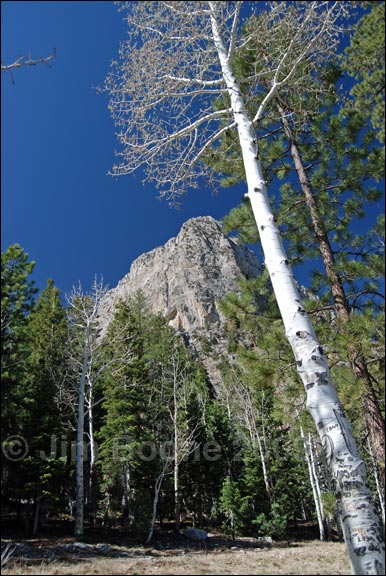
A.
x: 40, y: 475
x: 17, y: 298
x: 46, y: 367
x: 126, y: 424
x: 365, y: 61
x: 234, y: 507
x: 274, y: 525
x: 138, y: 430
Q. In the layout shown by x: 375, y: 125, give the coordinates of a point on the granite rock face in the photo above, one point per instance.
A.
x: 185, y: 278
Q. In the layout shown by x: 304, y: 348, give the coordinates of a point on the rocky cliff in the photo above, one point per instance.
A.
x: 185, y: 279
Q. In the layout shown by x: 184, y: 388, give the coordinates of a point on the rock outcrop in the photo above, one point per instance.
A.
x: 185, y: 279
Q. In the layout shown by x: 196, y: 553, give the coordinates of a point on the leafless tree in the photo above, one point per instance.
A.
x: 83, y: 312
x: 87, y: 365
x: 174, y: 394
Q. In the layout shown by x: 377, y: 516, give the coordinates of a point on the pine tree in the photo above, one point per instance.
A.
x: 44, y: 474
x: 365, y: 61
x: 148, y: 430
x: 127, y: 415
x: 17, y: 300
x: 334, y: 157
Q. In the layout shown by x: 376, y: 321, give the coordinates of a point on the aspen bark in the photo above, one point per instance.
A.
x: 360, y: 523
x: 79, y: 509
x: 315, y: 492
x: 176, y: 456
x: 372, y: 412
x: 157, y: 489
x: 93, y: 453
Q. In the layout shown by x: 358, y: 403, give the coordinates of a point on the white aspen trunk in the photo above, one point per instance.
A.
x: 127, y: 489
x: 361, y: 526
x: 314, y: 471
x: 326, y: 521
x: 79, y: 510
x: 93, y: 451
x: 176, y: 464
x: 157, y: 488
x: 93, y: 455
x: 230, y: 419
x: 263, y: 465
x: 315, y: 492
x: 255, y: 437
x: 176, y: 492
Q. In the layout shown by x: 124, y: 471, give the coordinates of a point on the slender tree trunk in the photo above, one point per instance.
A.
x: 176, y: 457
x: 264, y: 466
x: 177, y: 507
x: 313, y: 481
x: 79, y: 510
x: 254, y: 434
x: 93, y: 454
x: 157, y: 488
x: 326, y: 521
x: 36, y: 516
x: 126, y: 493
x: 361, y: 525
x: 373, y: 415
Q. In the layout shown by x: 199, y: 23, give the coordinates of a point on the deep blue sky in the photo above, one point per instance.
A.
x: 58, y: 142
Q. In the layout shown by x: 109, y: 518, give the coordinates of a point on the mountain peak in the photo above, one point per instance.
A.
x: 184, y: 280
x: 186, y: 277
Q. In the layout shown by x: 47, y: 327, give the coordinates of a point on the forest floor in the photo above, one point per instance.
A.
x: 172, y: 553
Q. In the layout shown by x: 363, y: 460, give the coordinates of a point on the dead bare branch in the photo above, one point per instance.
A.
x: 27, y: 61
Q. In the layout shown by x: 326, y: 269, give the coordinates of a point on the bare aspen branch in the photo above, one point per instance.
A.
x: 219, y: 81
x: 233, y: 37
x: 27, y: 61
x: 162, y: 90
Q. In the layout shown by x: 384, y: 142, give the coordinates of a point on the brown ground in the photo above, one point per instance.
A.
x: 173, y: 554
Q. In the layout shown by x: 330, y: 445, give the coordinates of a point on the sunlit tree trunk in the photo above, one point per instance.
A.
x: 83, y: 314
x: 313, y: 482
x: 372, y: 412
x: 360, y: 522
x: 157, y: 488
x: 79, y: 509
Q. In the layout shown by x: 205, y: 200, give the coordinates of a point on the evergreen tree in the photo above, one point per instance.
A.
x: 43, y: 475
x: 147, y: 404
x: 334, y: 157
x: 17, y: 300
x: 127, y: 409
x: 365, y: 61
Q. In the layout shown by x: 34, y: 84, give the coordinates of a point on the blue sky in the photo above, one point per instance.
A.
x: 58, y: 143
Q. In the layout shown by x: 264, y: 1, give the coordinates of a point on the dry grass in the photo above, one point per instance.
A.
x: 305, y: 558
